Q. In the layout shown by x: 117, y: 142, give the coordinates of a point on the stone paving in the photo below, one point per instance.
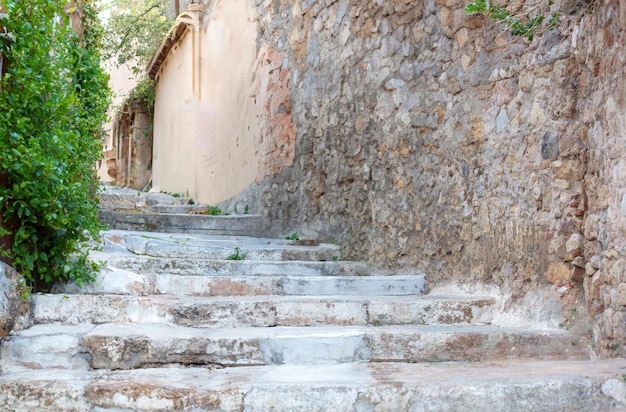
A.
x: 201, y: 321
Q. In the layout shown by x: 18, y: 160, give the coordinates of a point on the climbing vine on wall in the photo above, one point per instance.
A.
x: 53, y: 103
x: 146, y: 92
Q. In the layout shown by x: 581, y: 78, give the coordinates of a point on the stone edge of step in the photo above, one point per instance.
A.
x: 538, y: 385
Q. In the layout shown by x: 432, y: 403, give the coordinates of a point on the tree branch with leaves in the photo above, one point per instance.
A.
x: 135, y: 29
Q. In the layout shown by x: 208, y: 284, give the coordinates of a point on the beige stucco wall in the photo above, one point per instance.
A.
x: 204, y: 144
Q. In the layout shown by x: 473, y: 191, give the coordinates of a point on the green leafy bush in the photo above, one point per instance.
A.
x: 53, y: 103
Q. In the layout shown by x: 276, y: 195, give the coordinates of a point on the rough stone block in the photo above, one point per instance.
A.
x: 615, y: 389
x: 596, y: 261
x: 569, y: 257
x: 549, y: 145
x: 617, y: 272
x: 589, y: 269
x: 591, y: 226
x: 622, y: 294
x: 11, y: 303
x: 567, y: 169
x: 579, y: 261
x: 577, y: 274
x: 558, y: 271
x: 575, y: 242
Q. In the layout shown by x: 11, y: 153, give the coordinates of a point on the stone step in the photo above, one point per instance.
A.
x: 220, y: 267
x: 130, y: 346
x: 123, y: 282
x: 214, y: 247
x: 138, y: 207
x: 58, y: 390
x: 240, y: 225
x: 216, y: 312
x: 113, y: 195
x: 45, y: 347
x: 539, y: 386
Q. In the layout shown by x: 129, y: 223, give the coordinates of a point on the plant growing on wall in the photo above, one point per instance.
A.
x: 146, y: 92
x: 525, y: 20
x: 52, y: 107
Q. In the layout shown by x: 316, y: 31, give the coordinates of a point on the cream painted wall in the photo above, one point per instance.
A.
x: 204, y: 142
x: 175, y: 114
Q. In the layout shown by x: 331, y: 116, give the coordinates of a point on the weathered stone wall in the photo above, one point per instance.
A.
x: 426, y: 139
x: 12, y: 306
x: 599, y: 45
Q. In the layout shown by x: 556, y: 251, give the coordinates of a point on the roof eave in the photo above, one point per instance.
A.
x: 175, y: 34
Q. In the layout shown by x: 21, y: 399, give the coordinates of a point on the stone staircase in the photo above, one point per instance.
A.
x: 129, y: 209
x: 205, y: 319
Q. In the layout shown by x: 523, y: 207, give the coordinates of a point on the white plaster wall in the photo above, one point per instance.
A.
x: 204, y: 143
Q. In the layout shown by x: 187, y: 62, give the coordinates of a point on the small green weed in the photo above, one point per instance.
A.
x: 237, y: 255
x: 27, y: 291
x: 214, y: 211
x: 293, y: 236
x: 246, y: 209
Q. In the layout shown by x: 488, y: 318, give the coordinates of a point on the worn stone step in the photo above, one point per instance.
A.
x: 539, y: 386
x: 142, y: 207
x: 119, y: 281
x: 219, y: 267
x: 215, y: 312
x: 214, y: 247
x: 58, y: 390
x: 112, y: 195
x: 239, y: 225
x: 50, y: 346
x: 129, y: 346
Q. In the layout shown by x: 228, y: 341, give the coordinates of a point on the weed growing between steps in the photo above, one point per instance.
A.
x: 214, y: 211
x: 53, y: 105
x: 237, y: 255
x: 211, y: 211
